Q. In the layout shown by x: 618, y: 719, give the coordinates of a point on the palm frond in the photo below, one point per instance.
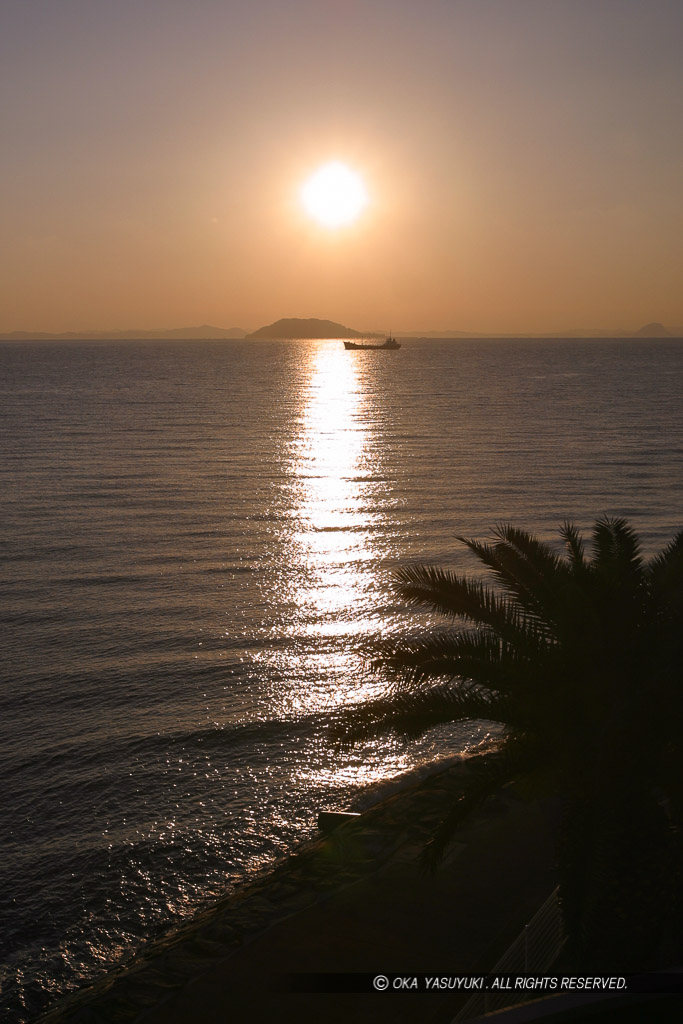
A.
x: 409, y: 715
x: 527, y: 569
x: 665, y: 570
x: 459, y: 597
x: 490, y: 555
x: 575, y: 547
x: 539, y: 556
x: 475, y: 655
x: 616, y: 548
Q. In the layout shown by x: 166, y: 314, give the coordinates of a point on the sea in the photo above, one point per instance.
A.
x: 197, y: 541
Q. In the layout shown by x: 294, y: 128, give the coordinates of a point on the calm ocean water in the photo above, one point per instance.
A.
x: 195, y: 542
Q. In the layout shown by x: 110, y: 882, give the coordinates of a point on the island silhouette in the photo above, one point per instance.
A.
x: 310, y: 327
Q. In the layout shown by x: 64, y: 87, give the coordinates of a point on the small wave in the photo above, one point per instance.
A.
x: 247, y: 732
x: 229, y: 569
x: 361, y: 528
x: 91, y: 754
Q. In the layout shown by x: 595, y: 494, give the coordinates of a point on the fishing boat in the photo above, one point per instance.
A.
x: 390, y: 343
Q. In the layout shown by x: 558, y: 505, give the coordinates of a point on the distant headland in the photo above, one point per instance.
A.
x: 203, y: 333
x: 655, y: 330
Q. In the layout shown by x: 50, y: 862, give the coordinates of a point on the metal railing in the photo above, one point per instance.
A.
x: 534, y: 950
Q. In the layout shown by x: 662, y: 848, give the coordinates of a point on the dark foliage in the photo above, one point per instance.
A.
x: 579, y: 658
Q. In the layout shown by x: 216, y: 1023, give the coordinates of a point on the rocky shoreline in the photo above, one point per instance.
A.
x: 323, y: 879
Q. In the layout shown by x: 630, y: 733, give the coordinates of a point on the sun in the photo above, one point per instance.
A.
x: 334, y: 195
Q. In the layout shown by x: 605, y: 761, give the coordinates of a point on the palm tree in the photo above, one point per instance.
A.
x: 579, y: 658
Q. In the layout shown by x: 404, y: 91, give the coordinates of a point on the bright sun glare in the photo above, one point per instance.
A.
x: 334, y: 195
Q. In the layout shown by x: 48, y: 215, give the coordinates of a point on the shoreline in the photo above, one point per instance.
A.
x: 308, y: 911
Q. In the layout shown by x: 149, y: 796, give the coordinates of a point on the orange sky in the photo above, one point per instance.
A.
x: 523, y: 159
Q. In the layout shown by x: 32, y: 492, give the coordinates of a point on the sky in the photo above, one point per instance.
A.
x: 523, y: 161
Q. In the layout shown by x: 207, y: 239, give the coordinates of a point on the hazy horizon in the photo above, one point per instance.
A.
x: 522, y: 160
x: 673, y: 331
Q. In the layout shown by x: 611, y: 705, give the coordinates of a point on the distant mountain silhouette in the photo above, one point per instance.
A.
x: 203, y: 333
x: 293, y: 327
x: 655, y: 330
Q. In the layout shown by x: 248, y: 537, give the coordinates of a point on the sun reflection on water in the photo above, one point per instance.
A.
x: 330, y: 462
x: 332, y: 548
